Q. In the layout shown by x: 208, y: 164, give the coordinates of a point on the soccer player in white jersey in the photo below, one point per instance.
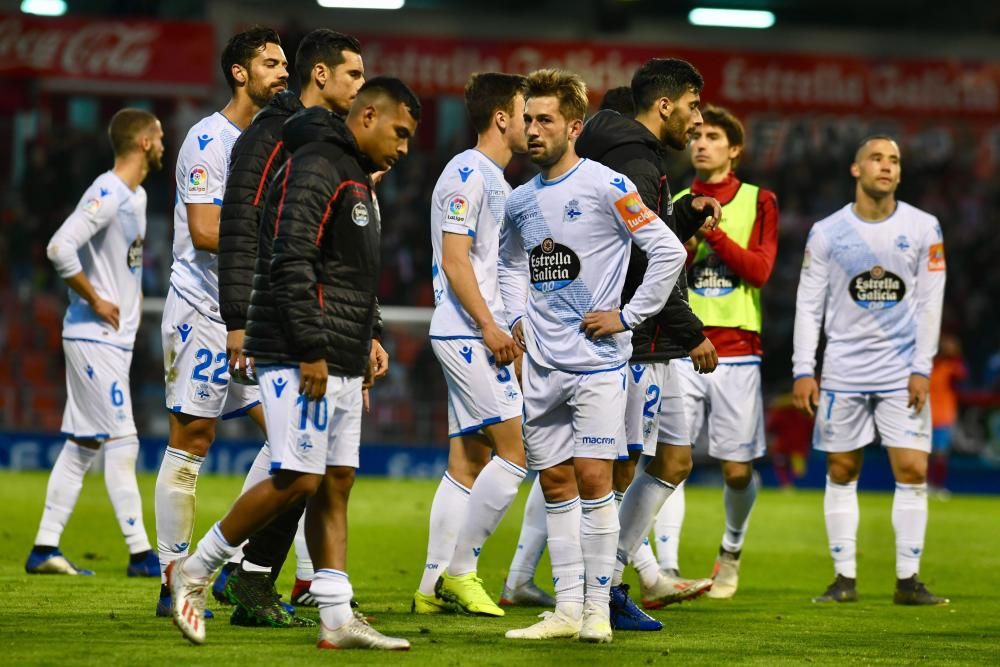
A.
x: 565, y: 246
x: 472, y: 341
x: 875, y: 272
x: 198, y: 390
x: 98, y: 252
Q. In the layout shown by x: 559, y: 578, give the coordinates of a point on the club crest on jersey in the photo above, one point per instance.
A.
x: 877, y: 289
x: 197, y: 180
x: 458, y: 210
x: 571, y: 211
x: 711, y: 277
x: 135, y: 255
x: 902, y: 243
x: 553, y: 266
x: 359, y: 214
x: 634, y: 213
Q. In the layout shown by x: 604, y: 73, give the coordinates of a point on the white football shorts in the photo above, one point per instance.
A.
x: 569, y: 415
x: 307, y: 436
x: 479, y: 393
x: 654, y: 410
x: 195, y: 364
x: 98, y: 396
x: 846, y: 421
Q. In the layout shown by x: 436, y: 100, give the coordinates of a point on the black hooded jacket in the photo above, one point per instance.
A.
x: 257, y: 155
x: 317, y: 252
x: 626, y: 146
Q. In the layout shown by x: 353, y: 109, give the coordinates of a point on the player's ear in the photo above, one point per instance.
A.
x: 666, y: 107
x: 320, y: 73
x: 239, y: 74
x: 735, y: 152
x: 855, y: 170
x: 500, y: 119
x: 575, y: 127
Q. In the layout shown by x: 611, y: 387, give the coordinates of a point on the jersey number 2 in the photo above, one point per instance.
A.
x: 204, y: 357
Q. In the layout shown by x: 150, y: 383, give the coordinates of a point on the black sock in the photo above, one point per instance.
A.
x: 39, y: 549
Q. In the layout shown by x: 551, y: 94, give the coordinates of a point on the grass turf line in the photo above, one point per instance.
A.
x: 108, y: 619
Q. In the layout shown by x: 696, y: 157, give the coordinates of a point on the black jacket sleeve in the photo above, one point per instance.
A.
x: 377, y: 325
x: 238, y: 222
x: 688, y: 220
x: 679, y: 322
x: 295, y: 262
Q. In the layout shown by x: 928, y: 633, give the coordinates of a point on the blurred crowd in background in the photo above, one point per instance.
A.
x: 947, y: 170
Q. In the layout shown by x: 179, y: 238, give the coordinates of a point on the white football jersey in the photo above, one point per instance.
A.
x: 881, y: 287
x: 468, y: 199
x: 202, y: 168
x: 103, y: 239
x: 564, y: 250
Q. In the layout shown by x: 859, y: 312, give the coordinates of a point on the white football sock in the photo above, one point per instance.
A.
x: 531, y: 541
x: 492, y: 493
x: 598, y: 540
x: 123, y: 489
x: 259, y: 470
x: 448, y: 511
x: 332, y: 590
x: 667, y: 529
x: 909, y: 520
x: 303, y: 562
x: 644, y: 562
x: 563, y: 520
x: 174, y: 502
x: 65, y: 482
x: 643, y: 499
x: 212, y: 552
x: 840, y: 506
x: 739, y: 504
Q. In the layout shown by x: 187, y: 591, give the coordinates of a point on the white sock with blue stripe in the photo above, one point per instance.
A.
x: 174, y: 502
x: 332, y: 590
x: 492, y: 493
x: 909, y: 520
x: 643, y: 499
x: 65, y: 483
x: 447, y: 517
x: 212, y: 553
x: 840, y: 508
x: 566, y: 553
x: 598, y: 541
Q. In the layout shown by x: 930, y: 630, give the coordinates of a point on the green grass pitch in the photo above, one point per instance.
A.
x: 108, y: 619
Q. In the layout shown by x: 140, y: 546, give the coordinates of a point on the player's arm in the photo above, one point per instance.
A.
x: 930, y: 301
x: 755, y: 262
x: 306, y: 189
x: 664, y: 262
x: 810, y: 302
x: 463, y: 282
x: 64, y: 247
x: 202, y: 197
x: 203, y: 223
x: 513, y: 276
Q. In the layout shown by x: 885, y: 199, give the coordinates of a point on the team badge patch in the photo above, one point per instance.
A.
x: 571, y: 211
x: 935, y: 257
x: 197, y: 180
x: 634, y: 213
x: 359, y: 214
x: 458, y: 210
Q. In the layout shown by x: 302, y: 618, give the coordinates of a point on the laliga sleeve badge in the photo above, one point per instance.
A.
x: 91, y: 206
x: 359, y: 214
x: 458, y: 210
x: 197, y: 180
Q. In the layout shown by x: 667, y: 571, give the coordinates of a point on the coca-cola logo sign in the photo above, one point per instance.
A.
x: 106, y: 49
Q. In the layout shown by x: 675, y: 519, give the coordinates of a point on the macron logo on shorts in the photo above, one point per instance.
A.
x: 184, y: 330
x: 595, y: 440
x: 279, y: 386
